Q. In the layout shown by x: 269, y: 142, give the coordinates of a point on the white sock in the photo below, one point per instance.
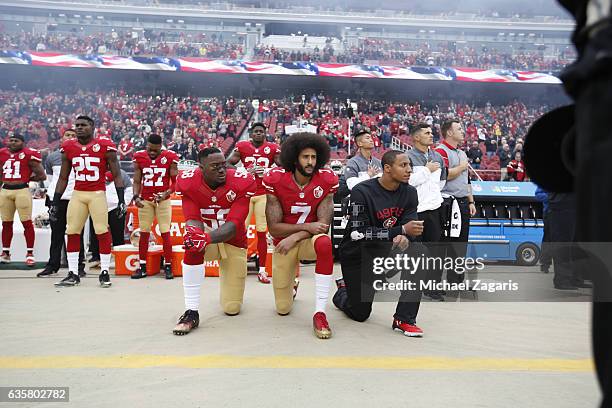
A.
x: 262, y: 269
x: 322, y: 284
x: 192, y: 280
x: 73, y: 261
x: 105, y: 262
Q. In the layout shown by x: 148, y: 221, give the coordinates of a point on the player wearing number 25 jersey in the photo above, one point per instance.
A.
x: 258, y: 156
x: 155, y: 173
x: 20, y: 165
x: 88, y: 158
x: 215, y: 206
x: 299, y: 211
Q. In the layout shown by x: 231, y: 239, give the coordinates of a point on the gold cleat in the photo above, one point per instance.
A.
x: 320, y: 326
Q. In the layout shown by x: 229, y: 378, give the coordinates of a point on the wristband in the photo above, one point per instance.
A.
x: 471, y: 202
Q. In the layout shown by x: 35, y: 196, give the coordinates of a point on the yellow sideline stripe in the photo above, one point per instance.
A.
x: 297, y: 362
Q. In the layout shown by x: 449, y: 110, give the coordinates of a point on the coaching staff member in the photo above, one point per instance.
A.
x: 383, y: 214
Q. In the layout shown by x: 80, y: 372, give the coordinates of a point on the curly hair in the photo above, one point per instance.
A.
x: 300, y: 141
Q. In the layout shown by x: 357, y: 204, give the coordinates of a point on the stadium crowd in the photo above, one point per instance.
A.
x: 177, y: 44
x: 494, y: 133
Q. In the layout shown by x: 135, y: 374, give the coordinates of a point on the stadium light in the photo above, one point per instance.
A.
x: 77, y: 16
x: 432, y: 31
x: 61, y: 15
x: 100, y: 17
x: 181, y: 21
x: 88, y: 17
x: 347, y: 28
x: 257, y: 24
x: 169, y: 20
x: 501, y: 34
x: 359, y: 28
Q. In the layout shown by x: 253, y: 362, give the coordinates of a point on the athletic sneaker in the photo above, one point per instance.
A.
x: 410, y: 330
x: 30, y: 261
x: 104, y: 279
x: 320, y: 326
x: 187, y: 322
x: 140, y: 272
x: 5, y: 257
x: 262, y: 277
x: 168, y: 271
x: 68, y: 281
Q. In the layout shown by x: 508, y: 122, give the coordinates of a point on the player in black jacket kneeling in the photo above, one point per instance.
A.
x: 376, y: 246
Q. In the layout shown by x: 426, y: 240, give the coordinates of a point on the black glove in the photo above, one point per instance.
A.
x: 121, y: 210
x: 54, y: 207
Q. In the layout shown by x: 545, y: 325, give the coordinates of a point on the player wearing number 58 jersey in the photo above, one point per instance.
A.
x: 215, y: 206
x: 155, y: 173
x: 299, y: 211
x: 89, y: 159
x: 258, y: 156
x: 20, y: 165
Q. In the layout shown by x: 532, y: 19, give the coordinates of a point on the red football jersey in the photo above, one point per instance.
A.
x: 300, y: 205
x: 262, y: 156
x: 88, y: 162
x: 155, y: 173
x: 16, y: 166
x: 229, y: 202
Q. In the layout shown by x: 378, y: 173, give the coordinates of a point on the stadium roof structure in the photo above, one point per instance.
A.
x: 310, y: 69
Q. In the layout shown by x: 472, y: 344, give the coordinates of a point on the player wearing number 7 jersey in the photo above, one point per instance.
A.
x: 89, y: 159
x: 20, y: 165
x: 258, y: 156
x: 154, y: 181
x: 299, y: 211
x: 215, y: 206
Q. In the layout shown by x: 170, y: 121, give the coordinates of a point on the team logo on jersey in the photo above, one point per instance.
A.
x: 389, y: 222
x: 318, y: 192
x: 231, y: 196
x: 213, y: 199
x: 21, y: 156
x: 267, y: 150
x: 164, y: 160
x: 96, y: 148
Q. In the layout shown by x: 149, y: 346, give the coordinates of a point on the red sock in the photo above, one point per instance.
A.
x: 325, y: 258
x: 262, y: 248
x: 143, y: 245
x: 7, y: 234
x: 74, y: 243
x: 167, y: 242
x: 105, y: 242
x: 28, y: 233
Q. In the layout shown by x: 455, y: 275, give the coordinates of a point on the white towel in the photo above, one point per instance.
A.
x: 455, y: 223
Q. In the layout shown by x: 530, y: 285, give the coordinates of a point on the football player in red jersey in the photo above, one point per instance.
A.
x: 257, y: 155
x: 20, y: 165
x: 89, y: 159
x: 215, y: 206
x: 299, y: 211
x: 154, y: 182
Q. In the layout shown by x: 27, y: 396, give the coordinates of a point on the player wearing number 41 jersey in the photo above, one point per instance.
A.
x: 20, y: 165
x: 299, y: 211
x: 88, y: 158
x: 258, y: 156
x: 154, y: 181
x: 215, y: 206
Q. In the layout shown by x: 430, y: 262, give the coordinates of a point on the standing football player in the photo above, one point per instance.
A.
x: 299, y: 211
x: 215, y: 206
x: 20, y: 165
x: 155, y: 173
x: 257, y: 155
x: 89, y: 159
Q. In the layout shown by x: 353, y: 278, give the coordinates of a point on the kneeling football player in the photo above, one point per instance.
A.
x: 215, y: 206
x: 299, y: 210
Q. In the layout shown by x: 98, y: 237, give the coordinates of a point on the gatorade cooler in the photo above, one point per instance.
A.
x: 126, y: 259
x: 178, y: 253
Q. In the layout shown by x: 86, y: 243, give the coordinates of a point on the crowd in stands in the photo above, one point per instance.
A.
x: 169, y: 44
x: 184, y: 122
x: 411, y: 53
x: 493, y: 133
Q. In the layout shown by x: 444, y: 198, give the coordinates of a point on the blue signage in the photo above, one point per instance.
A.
x: 503, y: 189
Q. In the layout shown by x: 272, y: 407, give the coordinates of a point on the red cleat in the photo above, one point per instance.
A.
x: 29, y: 261
x: 320, y: 326
x: 410, y: 330
x: 263, y: 278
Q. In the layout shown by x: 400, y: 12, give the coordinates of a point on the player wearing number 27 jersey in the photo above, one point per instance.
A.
x: 215, y: 206
x: 89, y: 158
x: 299, y: 210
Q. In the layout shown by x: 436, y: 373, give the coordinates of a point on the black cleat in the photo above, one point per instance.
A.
x: 46, y: 272
x: 140, y: 272
x: 187, y: 322
x: 68, y: 281
x: 104, y: 279
x: 168, y: 271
